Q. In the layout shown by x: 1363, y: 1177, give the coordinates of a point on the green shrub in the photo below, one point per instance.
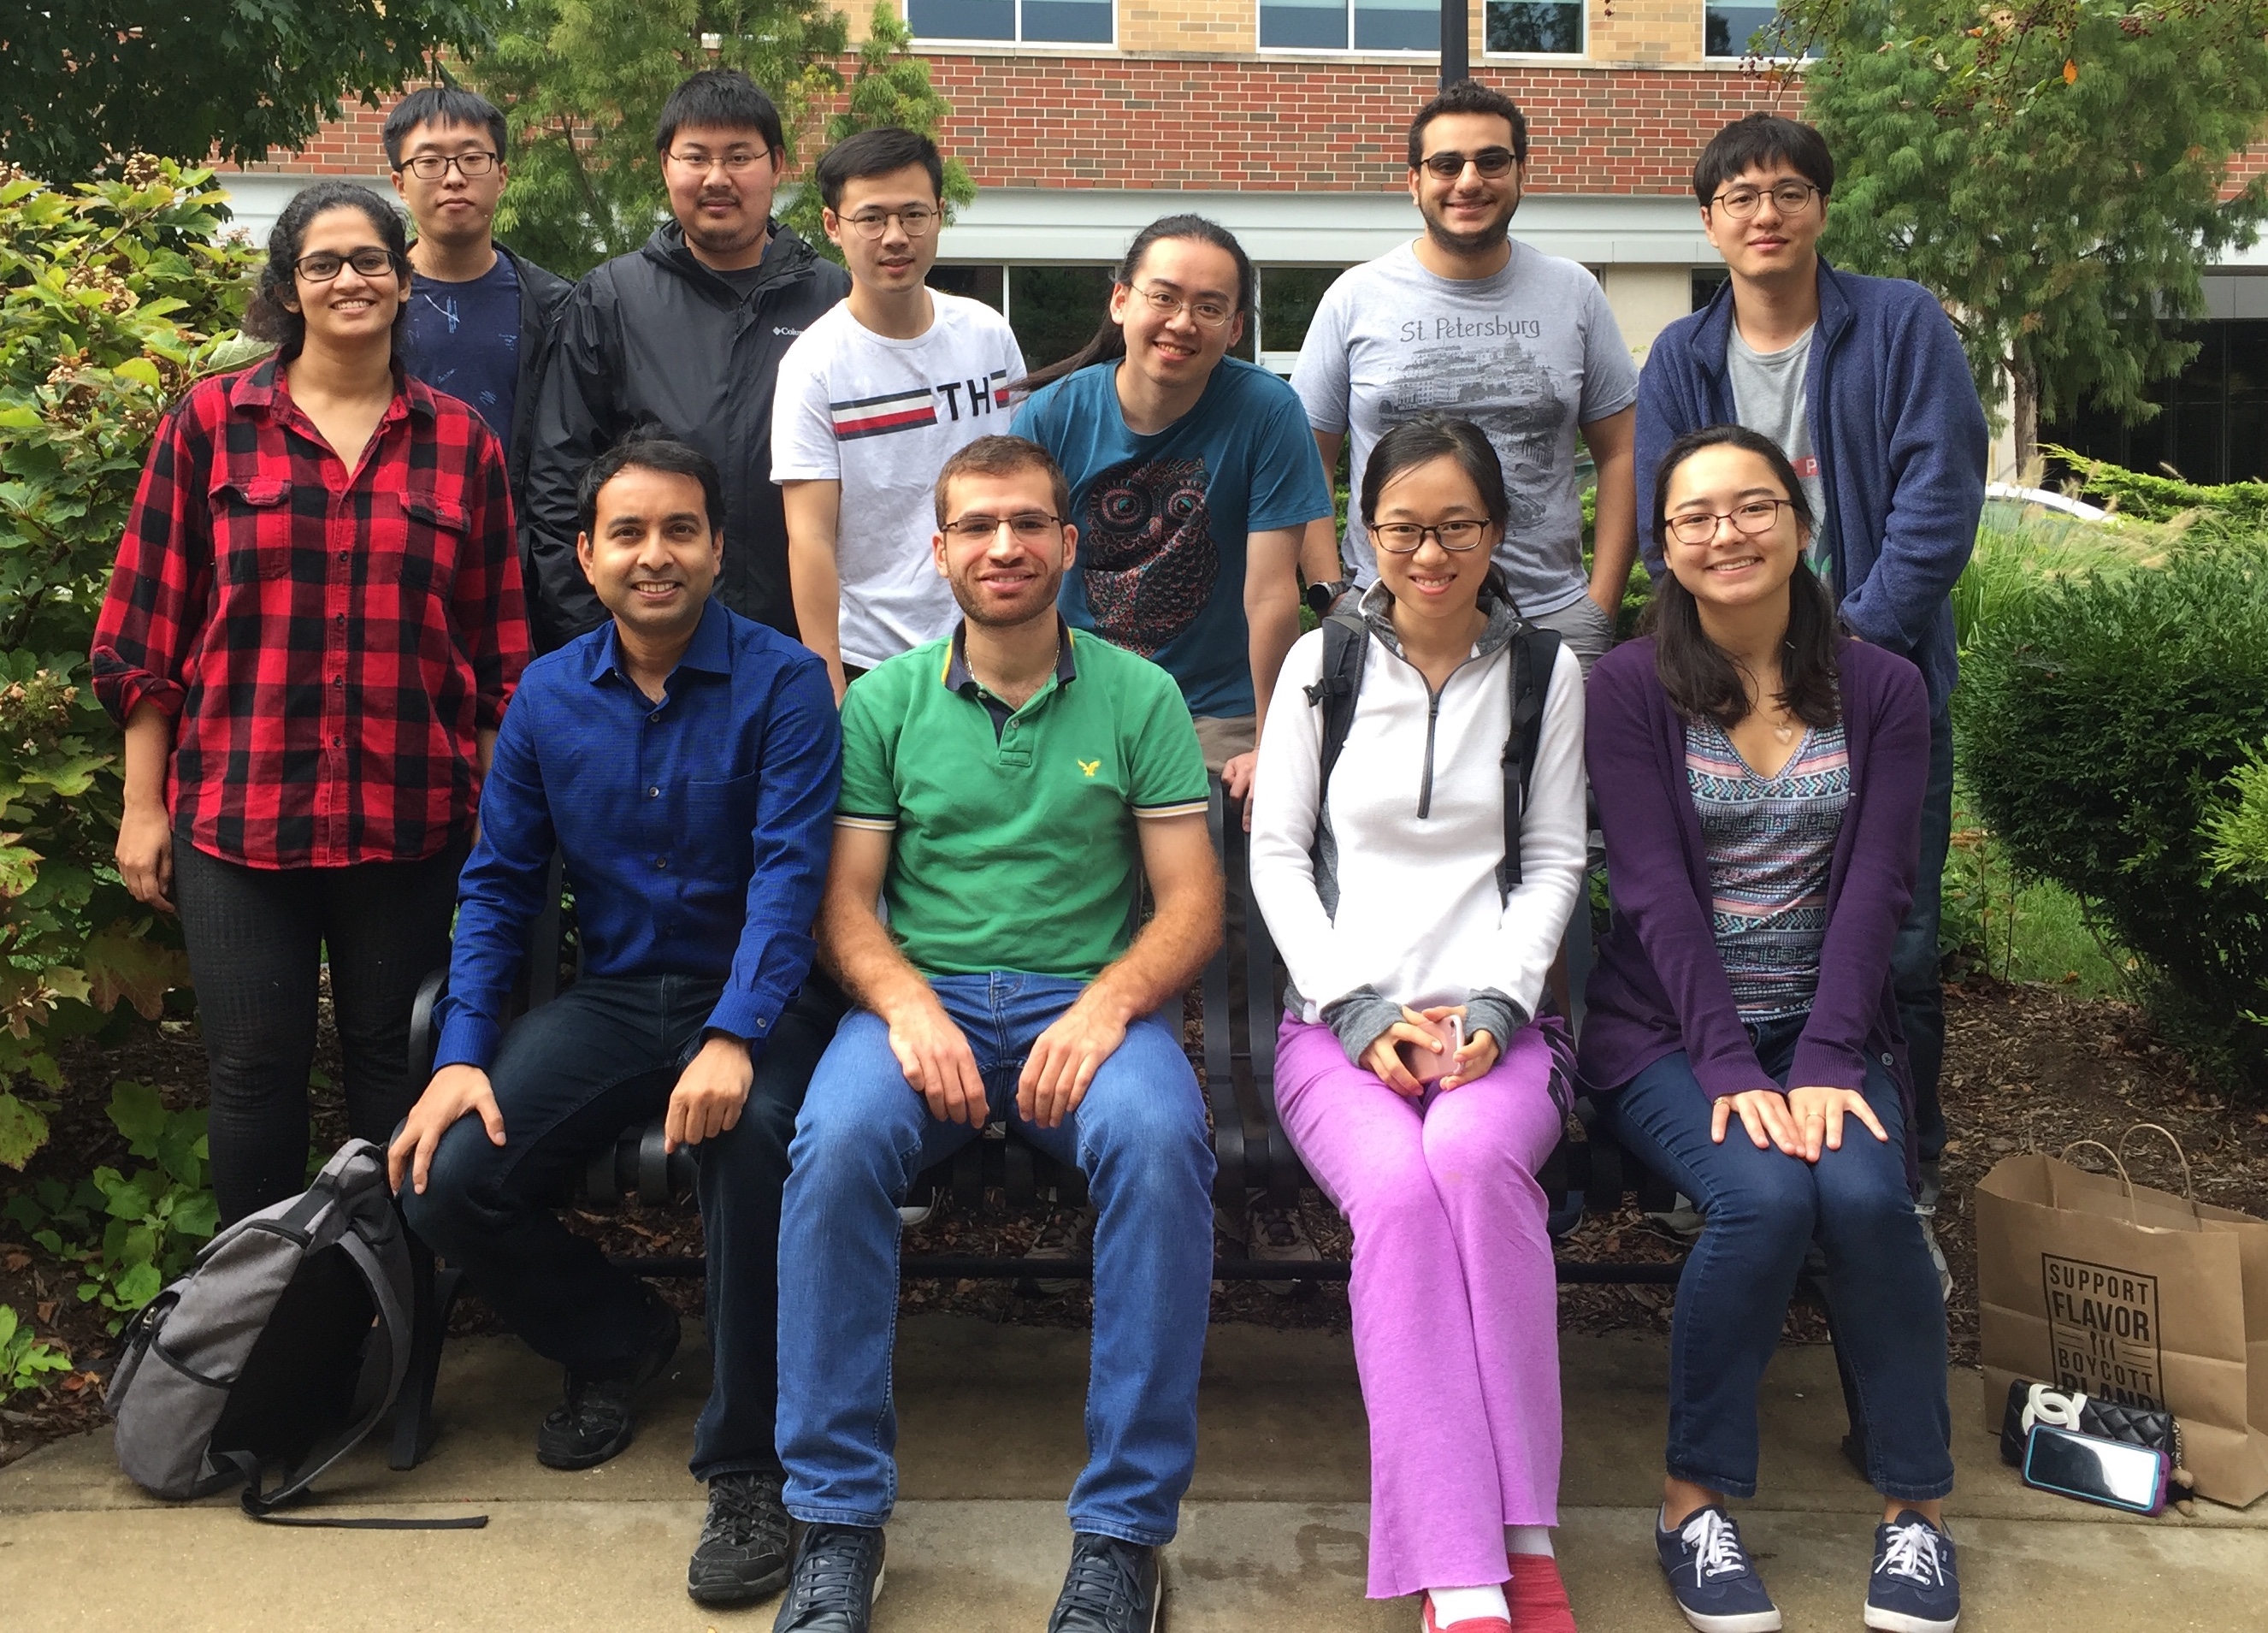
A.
x: 26, y: 1361
x: 113, y: 298
x: 2101, y: 718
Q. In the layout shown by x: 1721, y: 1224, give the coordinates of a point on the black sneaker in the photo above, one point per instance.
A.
x: 594, y: 1422
x: 742, y: 1553
x: 1111, y: 1587
x: 837, y: 1577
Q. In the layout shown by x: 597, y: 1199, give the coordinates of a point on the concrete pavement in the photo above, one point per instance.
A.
x: 1273, y: 1534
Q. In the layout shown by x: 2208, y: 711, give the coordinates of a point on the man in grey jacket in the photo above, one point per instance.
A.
x: 683, y: 337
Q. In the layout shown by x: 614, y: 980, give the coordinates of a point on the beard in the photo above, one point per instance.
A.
x: 1487, y: 238
x: 974, y: 607
x: 718, y: 239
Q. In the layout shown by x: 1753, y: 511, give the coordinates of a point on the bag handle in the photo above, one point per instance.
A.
x: 2126, y: 1185
x: 2188, y: 1181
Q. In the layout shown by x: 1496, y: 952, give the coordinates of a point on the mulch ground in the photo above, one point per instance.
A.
x: 2026, y: 1068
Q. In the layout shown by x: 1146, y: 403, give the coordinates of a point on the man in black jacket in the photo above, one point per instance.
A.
x: 480, y: 318
x: 684, y: 339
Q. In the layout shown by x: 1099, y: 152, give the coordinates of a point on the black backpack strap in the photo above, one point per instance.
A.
x: 383, y: 1371
x: 1534, y: 652
x: 1346, y: 644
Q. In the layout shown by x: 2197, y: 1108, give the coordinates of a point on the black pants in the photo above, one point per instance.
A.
x: 570, y: 1075
x: 257, y: 939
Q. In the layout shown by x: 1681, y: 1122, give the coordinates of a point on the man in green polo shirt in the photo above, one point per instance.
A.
x: 1001, y: 790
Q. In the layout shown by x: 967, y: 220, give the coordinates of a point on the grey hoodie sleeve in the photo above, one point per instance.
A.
x: 1359, y: 1019
x: 1494, y: 1013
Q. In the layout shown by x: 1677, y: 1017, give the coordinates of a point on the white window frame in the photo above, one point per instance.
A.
x: 1795, y: 62
x: 1580, y: 53
x: 1399, y: 53
x: 905, y: 14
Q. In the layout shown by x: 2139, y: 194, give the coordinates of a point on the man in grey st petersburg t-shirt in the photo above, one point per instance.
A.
x: 1468, y: 321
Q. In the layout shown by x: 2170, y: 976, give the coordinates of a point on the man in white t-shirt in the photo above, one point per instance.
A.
x: 873, y: 399
x: 1469, y: 320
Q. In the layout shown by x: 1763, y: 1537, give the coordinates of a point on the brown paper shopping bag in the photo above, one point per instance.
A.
x: 2095, y: 1284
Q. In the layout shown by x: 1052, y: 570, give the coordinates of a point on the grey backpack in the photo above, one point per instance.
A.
x: 282, y: 1347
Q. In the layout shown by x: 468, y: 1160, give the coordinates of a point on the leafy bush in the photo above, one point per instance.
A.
x: 129, y: 1234
x: 25, y: 1360
x: 2101, y: 718
x: 113, y: 298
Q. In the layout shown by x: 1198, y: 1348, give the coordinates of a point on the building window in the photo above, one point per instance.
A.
x: 1350, y: 25
x: 2212, y: 421
x: 1041, y: 22
x: 1056, y: 310
x: 1740, y: 31
x: 1706, y: 282
x: 1540, y: 27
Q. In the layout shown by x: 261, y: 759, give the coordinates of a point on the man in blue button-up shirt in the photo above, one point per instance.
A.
x: 684, y: 761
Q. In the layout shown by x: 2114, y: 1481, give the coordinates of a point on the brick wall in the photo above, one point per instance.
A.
x: 1262, y: 124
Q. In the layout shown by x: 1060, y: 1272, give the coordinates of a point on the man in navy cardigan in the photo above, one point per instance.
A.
x: 1862, y: 381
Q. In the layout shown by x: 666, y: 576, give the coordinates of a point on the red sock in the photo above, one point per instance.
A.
x: 1536, y: 1597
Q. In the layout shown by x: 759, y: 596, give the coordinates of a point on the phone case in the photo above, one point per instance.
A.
x: 2041, y: 1446
x: 1429, y: 1067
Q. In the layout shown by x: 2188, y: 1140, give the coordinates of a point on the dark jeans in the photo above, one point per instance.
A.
x: 258, y: 938
x: 570, y: 1075
x: 1764, y: 1209
x: 1913, y: 960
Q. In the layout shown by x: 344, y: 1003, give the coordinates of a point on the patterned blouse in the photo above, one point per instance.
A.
x: 1770, y: 842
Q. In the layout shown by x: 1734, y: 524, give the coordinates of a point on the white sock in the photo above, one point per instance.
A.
x: 1527, y: 1540
x: 1451, y: 1606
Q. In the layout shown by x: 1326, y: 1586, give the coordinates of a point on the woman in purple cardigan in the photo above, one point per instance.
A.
x: 1759, y: 778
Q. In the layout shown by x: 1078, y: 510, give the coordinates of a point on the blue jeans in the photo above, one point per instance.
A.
x: 1764, y: 1209
x: 1914, y: 960
x: 569, y: 1076
x: 1138, y: 1136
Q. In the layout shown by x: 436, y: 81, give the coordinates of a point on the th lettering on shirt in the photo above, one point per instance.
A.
x: 907, y: 411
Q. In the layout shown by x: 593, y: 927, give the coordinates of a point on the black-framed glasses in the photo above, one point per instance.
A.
x: 1029, y: 527
x: 433, y: 166
x: 1699, y: 527
x: 320, y: 266
x: 1406, y: 538
x: 918, y: 220
x: 739, y: 162
x: 1208, y: 311
x: 1790, y: 198
x: 1492, y: 162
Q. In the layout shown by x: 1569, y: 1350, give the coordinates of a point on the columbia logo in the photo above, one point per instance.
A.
x: 781, y: 328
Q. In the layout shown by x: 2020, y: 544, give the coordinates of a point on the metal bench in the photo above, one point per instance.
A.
x: 1241, y: 989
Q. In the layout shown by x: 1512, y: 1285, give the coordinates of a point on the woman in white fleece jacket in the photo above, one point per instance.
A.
x: 1384, y: 894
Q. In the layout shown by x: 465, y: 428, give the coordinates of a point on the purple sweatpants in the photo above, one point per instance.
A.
x: 1456, y: 1317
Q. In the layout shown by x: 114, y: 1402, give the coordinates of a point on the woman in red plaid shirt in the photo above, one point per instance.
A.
x: 313, y: 629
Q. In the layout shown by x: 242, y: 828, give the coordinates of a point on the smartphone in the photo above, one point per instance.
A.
x: 2111, y: 1472
x: 1427, y: 1066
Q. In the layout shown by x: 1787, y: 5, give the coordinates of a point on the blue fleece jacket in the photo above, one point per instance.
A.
x: 1901, y: 440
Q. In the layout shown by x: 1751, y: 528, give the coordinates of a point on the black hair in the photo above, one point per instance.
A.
x: 877, y: 153
x: 649, y: 453
x: 1469, y: 96
x: 1423, y: 438
x: 1756, y: 141
x: 1002, y: 456
x: 721, y: 98
x: 441, y: 105
x: 1109, y: 342
x: 270, y: 316
x: 1702, y: 680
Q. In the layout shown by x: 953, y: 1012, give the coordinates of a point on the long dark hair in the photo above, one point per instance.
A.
x: 1702, y: 680
x: 1109, y: 342
x: 1424, y: 438
x: 268, y: 317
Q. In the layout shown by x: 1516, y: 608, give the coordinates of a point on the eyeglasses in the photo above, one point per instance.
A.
x: 1790, y: 198
x: 916, y: 219
x: 433, y: 166
x: 1208, y: 312
x: 739, y: 162
x: 1449, y: 163
x: 1029, y: 527
x: 322, y: 265
x: 1405, y: 538
x: 1699, y: 527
